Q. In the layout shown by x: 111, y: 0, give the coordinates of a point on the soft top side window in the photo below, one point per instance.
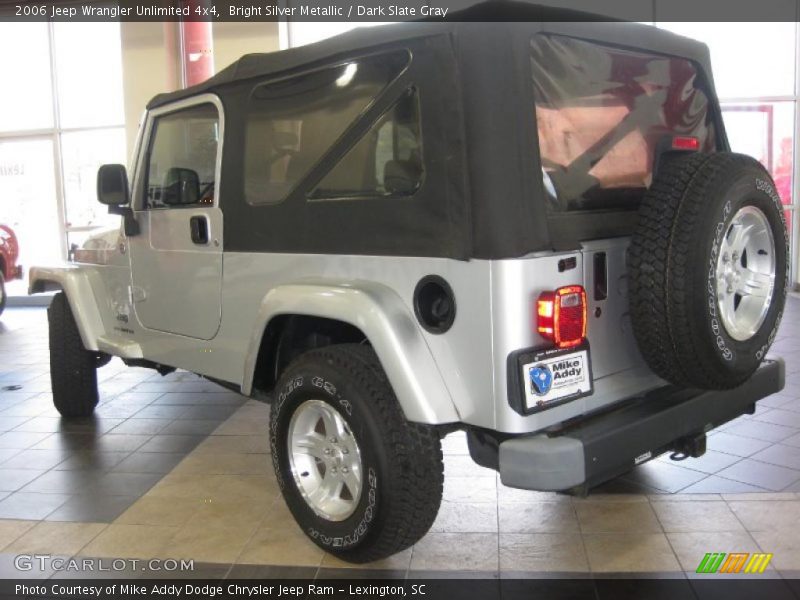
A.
x: 291, y: 123
x: 385, y: 162
x: 182, y: 158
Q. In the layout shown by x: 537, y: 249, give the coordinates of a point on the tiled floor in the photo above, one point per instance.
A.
x: 92, y: 469
x: 176, y: 467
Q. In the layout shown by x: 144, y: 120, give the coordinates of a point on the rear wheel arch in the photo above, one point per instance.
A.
x: 287, y: 336
x: 349, y: 312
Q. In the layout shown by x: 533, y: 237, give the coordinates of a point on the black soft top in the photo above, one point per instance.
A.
x: 483, y: 195
x: 461, y: 22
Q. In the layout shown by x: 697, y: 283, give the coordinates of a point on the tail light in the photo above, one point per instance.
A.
x: 561, y: 315
x: 681, y: 142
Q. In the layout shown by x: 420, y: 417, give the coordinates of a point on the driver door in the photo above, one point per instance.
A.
x: 176, y: 261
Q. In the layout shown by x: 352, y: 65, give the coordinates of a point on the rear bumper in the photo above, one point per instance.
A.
x: 604, y: 446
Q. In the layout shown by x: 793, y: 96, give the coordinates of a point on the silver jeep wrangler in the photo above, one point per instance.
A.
x: 534, y: 232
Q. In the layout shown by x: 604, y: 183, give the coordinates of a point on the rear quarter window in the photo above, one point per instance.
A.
x: 600, y: 113
x: 291, y: 124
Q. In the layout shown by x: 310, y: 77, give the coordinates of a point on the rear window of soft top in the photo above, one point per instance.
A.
x: 600, y: 113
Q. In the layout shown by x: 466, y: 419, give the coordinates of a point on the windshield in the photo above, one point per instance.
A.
x: 600, y: 113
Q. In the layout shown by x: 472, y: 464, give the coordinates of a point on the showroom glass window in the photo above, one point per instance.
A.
x: 27, y: 99
x: 61, y: 116
x: 88, y: 66
x: 755, y: 66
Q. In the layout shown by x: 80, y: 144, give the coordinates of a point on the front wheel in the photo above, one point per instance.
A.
x: 73, y: 369
x: 361, y: 481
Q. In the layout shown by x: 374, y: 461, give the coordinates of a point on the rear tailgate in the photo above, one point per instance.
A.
x: 609, y: 327
x: 617, y: 369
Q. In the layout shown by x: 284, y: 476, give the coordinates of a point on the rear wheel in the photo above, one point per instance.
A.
x: 361, y: 481
x: 73, y: 371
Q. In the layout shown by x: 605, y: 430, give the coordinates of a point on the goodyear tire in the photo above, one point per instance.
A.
x: 361, y: 481
x: 73, y: 372
x: 708, y: 270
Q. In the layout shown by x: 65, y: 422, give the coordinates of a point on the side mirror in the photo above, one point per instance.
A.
x: 112, y: 190
x: 181, y: 187
x: 112, y: 185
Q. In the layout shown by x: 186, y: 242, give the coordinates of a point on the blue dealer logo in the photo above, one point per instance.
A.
x: 541, y: 379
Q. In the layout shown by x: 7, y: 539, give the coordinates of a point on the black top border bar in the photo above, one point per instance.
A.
x: 366, y: 11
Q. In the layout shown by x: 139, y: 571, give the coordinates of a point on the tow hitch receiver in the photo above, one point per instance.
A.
x: 689, y: 447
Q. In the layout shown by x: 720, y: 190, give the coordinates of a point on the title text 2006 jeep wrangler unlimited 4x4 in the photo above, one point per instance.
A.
x: 535, y: 232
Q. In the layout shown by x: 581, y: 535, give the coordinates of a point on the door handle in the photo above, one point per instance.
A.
x: 198, y: 226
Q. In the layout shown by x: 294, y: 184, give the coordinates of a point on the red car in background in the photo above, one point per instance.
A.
x: 9, y: 269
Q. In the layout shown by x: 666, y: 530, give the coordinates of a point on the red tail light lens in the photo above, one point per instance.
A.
x: 685, y: 143
x: 561, y: 315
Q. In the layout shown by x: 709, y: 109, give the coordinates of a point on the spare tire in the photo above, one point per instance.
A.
x: 708, y: 268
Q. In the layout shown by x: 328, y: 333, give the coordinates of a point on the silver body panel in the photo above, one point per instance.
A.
x: 459, y: 376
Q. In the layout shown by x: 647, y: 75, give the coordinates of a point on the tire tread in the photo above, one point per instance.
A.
x: 72, y: 368
x: 662, y: 267
x: 414, y: 484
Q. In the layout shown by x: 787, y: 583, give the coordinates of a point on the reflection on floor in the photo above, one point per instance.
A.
x: 176, y: 467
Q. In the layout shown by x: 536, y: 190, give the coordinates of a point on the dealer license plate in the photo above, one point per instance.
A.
x: 553, y: 376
